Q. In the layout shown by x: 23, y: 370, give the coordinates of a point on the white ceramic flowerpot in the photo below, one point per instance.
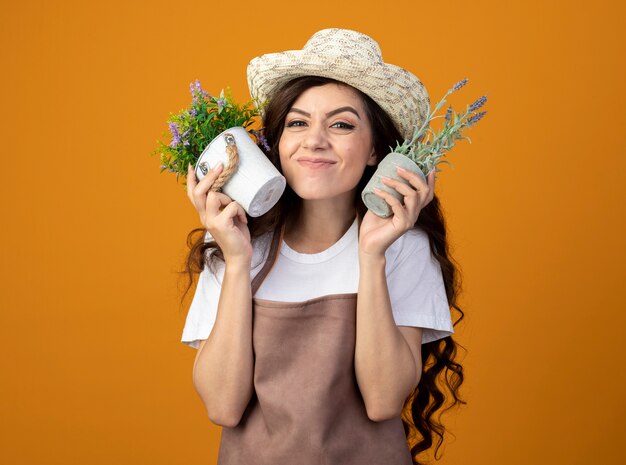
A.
x: 256, y: 185
x: 387, y: 167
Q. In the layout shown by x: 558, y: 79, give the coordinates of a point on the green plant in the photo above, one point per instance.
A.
x: 426, y: 148
x: 195, y: 127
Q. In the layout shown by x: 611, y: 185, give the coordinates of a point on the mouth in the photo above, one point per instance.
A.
x: 315, y: 163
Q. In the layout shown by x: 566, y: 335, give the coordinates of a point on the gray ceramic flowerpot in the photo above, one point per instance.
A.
x: 387, y: 167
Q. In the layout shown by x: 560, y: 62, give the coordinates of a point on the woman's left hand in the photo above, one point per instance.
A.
x: 377, y: 234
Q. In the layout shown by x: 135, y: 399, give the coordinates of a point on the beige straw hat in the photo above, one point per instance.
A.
x: 350, y: 57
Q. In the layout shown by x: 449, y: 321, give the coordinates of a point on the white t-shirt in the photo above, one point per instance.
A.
x: 414, y: 279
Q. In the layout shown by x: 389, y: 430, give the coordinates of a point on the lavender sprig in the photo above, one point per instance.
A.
x: 478, y: 103
x: 419, y: 134
x: 174, y: 130
x: 460, y: 84
x: 475, y: 118
x: 425, y: 151
x: 260, y: 135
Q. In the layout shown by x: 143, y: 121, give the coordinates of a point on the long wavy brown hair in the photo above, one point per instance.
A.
x: 442, y: 375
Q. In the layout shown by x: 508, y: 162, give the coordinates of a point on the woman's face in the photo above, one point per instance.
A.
x: 326, y: 142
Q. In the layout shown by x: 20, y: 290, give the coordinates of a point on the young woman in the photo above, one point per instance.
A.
x: 324, y: 333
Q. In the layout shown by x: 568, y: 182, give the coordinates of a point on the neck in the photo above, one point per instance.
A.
x: 320, y: 223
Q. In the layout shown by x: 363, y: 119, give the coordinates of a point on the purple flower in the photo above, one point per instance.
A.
x: 196, y: 91
x: 449, y: 113
x: 193, y: 112
x: 221, y: 103
x: 262, y: 139
x: 264, y: 142
x: 185, y: 137
x: 175, y: 134
x: 460, y: 84
x: 475, y: 118
x: 192, y: 89
x: 478, y: 103
x: 163, y: 166
x: 200, y: 90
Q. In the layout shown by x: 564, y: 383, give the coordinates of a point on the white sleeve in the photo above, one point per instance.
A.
x: 416, y: 288
x: 203, y: 309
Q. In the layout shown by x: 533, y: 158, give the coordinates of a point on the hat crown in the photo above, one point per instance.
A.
x: 344, y: 43
x: 354, y: 59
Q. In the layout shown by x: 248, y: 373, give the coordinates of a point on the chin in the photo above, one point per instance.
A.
x: 308, y: 194
x: 319, y: 193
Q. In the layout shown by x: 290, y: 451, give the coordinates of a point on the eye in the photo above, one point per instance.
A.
x: 295, y: 123
x: 342, y: 125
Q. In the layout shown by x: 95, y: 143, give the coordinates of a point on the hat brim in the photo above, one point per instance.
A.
x: 398, y: 92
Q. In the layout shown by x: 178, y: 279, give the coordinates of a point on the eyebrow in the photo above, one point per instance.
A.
x: 329, y: 114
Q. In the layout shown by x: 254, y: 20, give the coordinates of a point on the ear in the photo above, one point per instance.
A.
x: 371, y: 161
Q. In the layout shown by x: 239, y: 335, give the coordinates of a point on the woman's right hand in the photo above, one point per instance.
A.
x: 224, y: 218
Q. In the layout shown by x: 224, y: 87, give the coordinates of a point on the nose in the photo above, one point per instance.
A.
x: 315, y: 137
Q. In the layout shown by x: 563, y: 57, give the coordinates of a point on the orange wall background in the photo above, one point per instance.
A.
x: 93, y: 235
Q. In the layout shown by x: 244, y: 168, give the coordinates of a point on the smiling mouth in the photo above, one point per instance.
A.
x: 315, y: 164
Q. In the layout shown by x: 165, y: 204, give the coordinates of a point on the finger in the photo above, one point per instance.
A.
x: 416, y: 182
x: 201, y: 188
x: 412, y: 197
x: 396, y: 206
x: 241, y: 214
x: 402, y: 187
x: 432, y: 179
x: 414, y: 179
x: 215, y: 203
x: 425, y: 188
x: 191, y: 180
x: 205, y: 184
x: 233, y: 210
